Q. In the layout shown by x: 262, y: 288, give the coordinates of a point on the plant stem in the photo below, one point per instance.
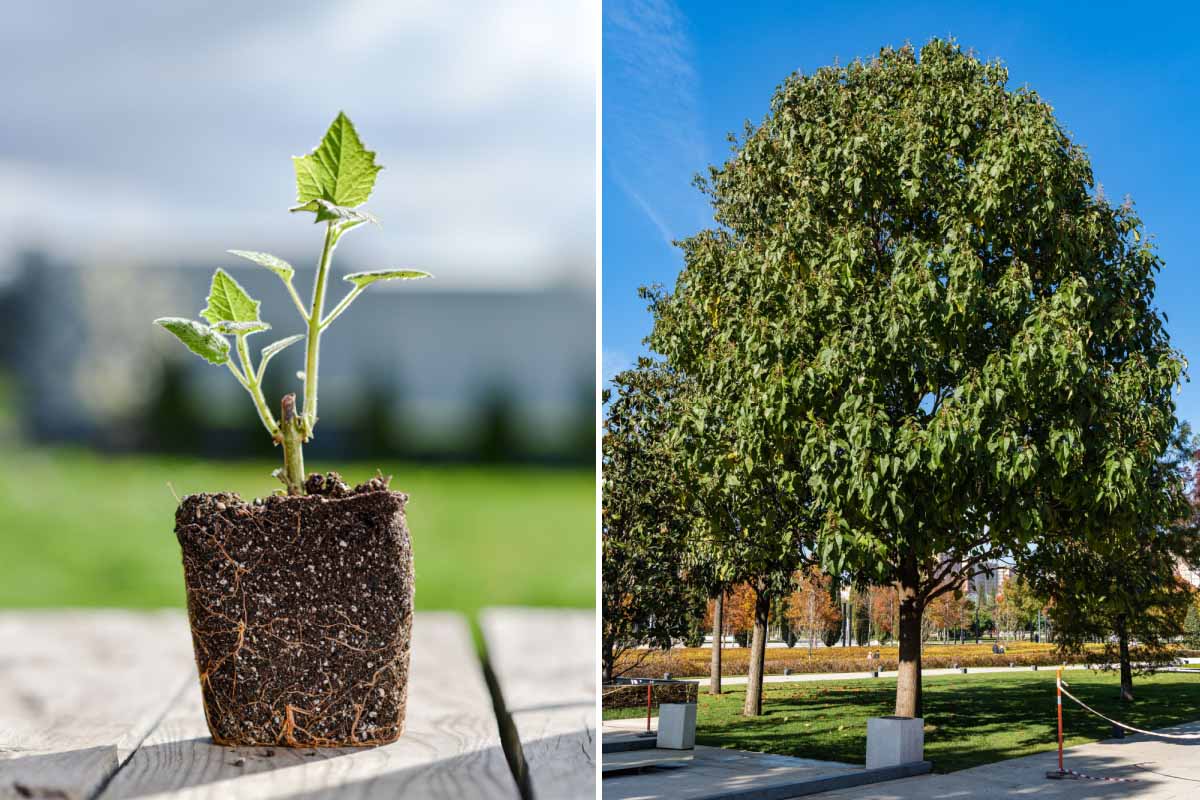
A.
x: 255, y: 388
x: 340, y: 307
x: 314, y: 331
x: 292, y: 433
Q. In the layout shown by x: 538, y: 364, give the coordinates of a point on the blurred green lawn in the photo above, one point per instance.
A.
x: 83, y: 529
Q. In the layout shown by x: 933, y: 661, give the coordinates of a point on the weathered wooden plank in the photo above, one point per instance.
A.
x: 450, y: 748
x: 79, y: 690
x: 545, y: 665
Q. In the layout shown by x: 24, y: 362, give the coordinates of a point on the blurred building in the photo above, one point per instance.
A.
x: 410, y: 369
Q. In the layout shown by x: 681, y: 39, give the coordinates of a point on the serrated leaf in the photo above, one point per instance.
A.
x: 277, y: 265
x: 197, y: 337
x: 228, y: 301
x: 339, y: 171
x: 364, y: 279
x: 241, y: 328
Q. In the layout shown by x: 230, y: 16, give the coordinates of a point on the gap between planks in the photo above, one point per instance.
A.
x: 543, y: 664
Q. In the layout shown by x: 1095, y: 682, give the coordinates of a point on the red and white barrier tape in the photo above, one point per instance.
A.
x: 1070, y: 773
x: 1130, y: 727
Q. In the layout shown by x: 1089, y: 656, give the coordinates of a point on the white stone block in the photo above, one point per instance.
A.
x: 892, y: 741
x: 677, y: 726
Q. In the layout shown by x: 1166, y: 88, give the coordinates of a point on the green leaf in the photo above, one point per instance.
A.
x: 277, y: 265
x: 241, y: 328
x: 327, y: 211
x: 198, y: 337
x: 339, y: 171
x: 364, y: 279
x: 228, y: 301
x: 274, y: 349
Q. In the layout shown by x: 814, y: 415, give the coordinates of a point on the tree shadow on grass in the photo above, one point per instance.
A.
x: 970, y: 720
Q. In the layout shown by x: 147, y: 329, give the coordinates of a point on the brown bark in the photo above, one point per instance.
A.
x: 714, y: 678
x: 758, y: 652
x: 908, y: 680
x: 1126, y: 666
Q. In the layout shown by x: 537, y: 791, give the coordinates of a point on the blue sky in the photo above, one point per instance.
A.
x: 679, y: 77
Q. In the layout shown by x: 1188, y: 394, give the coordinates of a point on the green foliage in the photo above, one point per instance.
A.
x: 1127, y: 587
x: 277, y: 265
x: 198, y: 337
x: 274, y: 349
x: 331, y: 182
x: 365, y: 279
x: 1191, y: 625
x: 228, y: 301
x: 649, y: 597
x: 919, y: 311
x: 340, y: 172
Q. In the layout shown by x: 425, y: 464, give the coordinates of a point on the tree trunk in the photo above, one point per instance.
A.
x: 758, y: 653
x: 714, y: 676
x: 1126, y: 667
x: 908, y: 679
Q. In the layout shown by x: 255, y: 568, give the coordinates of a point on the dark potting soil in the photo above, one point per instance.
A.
x: 301, y: 613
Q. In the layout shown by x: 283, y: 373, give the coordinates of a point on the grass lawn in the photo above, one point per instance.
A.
x: 82, y: 529
x: 970, y: 719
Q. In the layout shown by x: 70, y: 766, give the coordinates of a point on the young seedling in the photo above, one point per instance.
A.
x: 331, y: 182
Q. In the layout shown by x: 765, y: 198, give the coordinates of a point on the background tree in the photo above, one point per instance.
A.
x: 861, y: 617
x: 1016, y: 605
x: 753, y: 527
x: 948, y: 613
x: 885, y: 611
x: 648, y: 595
x: 1191, y: 623
x: 809, y: 608
x: 915, y: 306
x: 1125, y: 587
x: 739, y: 613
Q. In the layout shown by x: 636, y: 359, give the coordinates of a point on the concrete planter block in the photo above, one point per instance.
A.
x: 892, y: 741
x: 677, y: 726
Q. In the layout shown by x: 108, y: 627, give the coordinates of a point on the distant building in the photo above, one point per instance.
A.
x: 87, y: 359
x: 1188, y: 574
x: 986, y: 581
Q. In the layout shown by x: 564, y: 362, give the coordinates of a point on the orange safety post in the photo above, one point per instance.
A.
x: 1058, y: 689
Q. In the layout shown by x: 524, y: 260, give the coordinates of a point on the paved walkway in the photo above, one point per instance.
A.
x: 1151, y: 769
x: 1160, y: 770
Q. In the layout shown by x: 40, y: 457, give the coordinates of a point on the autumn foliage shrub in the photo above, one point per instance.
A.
x: 634, y: 696
x: 694, y: 662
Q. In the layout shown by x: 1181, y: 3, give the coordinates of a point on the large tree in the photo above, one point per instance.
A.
x: 918, y: 308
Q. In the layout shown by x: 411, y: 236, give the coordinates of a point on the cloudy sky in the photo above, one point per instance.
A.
x: 152, y: 131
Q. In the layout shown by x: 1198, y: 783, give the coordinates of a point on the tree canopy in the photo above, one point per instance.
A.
x: 649, y: 597
x: 919, y: 314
